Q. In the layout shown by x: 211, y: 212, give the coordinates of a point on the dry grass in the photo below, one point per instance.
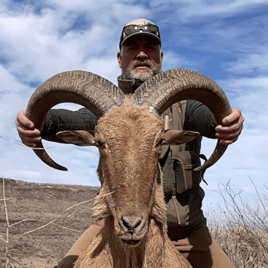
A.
x: 40, y: 222
x: 241, y: 229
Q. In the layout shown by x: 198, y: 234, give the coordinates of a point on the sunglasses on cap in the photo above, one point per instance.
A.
x: 132, y: 29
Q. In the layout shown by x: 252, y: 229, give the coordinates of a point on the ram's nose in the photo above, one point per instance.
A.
x: 131, y: 222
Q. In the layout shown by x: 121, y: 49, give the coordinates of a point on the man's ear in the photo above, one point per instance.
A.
x: 119, y: 58
x: 77, y: 137
x: 177, y: 137
x: 161, y: 56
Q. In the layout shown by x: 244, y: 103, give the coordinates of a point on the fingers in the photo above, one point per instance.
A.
x: 233, y: 117
x: 24, y: 121
x: 29, y: 137
x: 228, y: 139
x: 231, y: 127
x: 25, y: 127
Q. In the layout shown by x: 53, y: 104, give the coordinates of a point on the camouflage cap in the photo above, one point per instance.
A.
x: 140, y: 27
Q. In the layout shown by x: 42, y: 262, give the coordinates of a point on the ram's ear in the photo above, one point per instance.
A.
x: 177, y: 137
x: 77, y: 137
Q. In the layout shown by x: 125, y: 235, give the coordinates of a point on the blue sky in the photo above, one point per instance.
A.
x: 225, y: 40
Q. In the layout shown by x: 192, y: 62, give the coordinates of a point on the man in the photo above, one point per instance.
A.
x: 140, y: 57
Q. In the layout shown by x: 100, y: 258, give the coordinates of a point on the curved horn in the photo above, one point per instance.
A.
x: 88, y: 89
x: 166, y: 88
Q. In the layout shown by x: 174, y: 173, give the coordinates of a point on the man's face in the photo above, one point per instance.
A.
x: 140, y: 57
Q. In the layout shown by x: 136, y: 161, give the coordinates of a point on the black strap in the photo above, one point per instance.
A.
x: 163, y: 160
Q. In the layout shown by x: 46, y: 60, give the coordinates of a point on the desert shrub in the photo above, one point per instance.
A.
x: 240, y: 228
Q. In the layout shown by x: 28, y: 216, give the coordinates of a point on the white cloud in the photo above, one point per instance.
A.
x: 173, y: 60
x: 189, y: 11
x: 250, y: 64
x: 39, y: 40
x: 9, y: 83
x: 37, y: 52
x: 250, y: 95
x: 202, y: 8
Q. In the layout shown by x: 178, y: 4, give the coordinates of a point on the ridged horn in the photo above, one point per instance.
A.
x: 166, y: 88
x: 80, y: 87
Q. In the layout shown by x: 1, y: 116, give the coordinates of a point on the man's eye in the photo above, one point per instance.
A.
x: 131, y: 48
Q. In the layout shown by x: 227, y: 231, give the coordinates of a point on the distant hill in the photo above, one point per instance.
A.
x: 36, y: 205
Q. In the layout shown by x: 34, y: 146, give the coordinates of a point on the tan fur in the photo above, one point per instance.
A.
x: 106, y: 251
x: 131, y: 185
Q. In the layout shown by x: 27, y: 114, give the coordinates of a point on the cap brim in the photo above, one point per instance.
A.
x: 150, y: 35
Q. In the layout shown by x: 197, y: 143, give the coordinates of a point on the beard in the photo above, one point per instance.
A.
x: 133, y: 73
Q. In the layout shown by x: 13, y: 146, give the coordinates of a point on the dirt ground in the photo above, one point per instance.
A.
x: 31, y: 206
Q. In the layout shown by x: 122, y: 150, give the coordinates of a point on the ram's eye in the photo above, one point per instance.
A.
x: 99, y: 143
x: 159, y: 143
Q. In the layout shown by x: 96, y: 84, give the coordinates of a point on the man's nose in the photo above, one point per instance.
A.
x: 142, y: 55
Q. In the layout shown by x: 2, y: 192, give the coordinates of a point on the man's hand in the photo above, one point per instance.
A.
x: 231, y: 127
x: 28, y: 133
